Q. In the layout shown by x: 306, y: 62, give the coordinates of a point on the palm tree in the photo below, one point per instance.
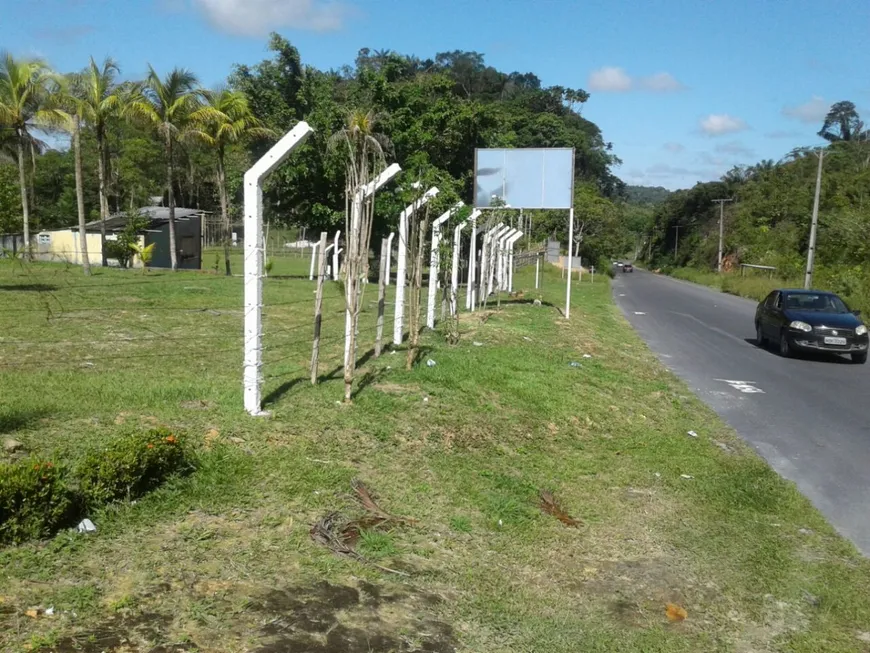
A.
x: 167, y: 105
x: 100, y: 100
x: 65, y: 112
x: 23, y: 91
x: 364, y: 151
x: 224, y: 119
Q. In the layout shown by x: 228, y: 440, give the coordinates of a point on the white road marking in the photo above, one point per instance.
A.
x: 747, y: 387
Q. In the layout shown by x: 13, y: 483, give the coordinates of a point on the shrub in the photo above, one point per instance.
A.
x: 604, y: 266
x: 130, y: 466
x: 34, y: 500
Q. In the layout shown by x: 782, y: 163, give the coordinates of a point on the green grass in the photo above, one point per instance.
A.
x: 223, y: 559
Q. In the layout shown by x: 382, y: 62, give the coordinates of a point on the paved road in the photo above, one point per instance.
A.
x: 809, y: 418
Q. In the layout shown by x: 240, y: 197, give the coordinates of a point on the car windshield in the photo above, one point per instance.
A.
x: 815, y: 302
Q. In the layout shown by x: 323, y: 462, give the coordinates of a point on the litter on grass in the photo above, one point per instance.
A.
x: 86, y: 526
x: 575, y: 364
x: 686, y: 476
x: 693, y: 434
x: 431, y: 363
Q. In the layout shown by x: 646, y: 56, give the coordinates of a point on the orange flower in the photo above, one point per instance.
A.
x: 171, y: 439
x: 49, y: 465
x: 150, y: 446
x: 36, y: 466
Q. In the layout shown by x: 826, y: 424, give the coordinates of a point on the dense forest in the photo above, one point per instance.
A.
x: 646, y: 194
x: 430, y: 115
x: 768, y: 220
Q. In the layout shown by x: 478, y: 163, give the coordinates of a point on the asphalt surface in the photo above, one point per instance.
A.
x: 809, y: 417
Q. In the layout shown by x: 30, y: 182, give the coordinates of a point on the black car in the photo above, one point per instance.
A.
x: 627, y: 267
x: 810, y: 321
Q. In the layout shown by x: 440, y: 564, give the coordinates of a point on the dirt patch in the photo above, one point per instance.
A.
x: 130, y: 635
x: 396, y: 389
x: 319, y: 618
x: 370, y: 618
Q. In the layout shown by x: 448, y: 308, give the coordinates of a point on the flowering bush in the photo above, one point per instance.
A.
x: 34, y: 500
x: 129, y: 466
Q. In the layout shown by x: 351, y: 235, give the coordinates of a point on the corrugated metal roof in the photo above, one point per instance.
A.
x: 158, y: 214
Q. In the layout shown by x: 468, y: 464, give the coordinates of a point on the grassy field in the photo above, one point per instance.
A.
x: 222, y: 560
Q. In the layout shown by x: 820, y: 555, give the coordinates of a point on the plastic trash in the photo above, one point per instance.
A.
x: 425, y: 400
x: 657, y: 475
x: 86, y: 526
x: 537, y: 302
x: 575, y: 364
x: 639, y: 313
x: 477, y: 344
x: 49, y: 611
x: 527, y: 338
x: 693, y: 434
x: 587, y: 356
x: 431, y: 363
x: 686, y: 476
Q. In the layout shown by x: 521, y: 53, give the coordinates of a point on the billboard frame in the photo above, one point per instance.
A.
x: 528, y: 149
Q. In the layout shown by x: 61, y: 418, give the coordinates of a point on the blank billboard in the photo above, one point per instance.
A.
x: 524, y: 178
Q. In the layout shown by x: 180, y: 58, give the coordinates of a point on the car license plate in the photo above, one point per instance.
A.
x: 834, y: 341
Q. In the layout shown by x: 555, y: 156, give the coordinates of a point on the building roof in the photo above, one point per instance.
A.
x: 158, y: 215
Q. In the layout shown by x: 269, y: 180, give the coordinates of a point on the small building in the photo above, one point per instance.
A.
x: 63, y: 245
x: 188, y: 234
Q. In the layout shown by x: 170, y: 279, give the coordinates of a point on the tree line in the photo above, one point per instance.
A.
x: 768, y: 222
x: 167, y: 136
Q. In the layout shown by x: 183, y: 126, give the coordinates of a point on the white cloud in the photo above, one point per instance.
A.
x: 674, y: 147
x: 717, y: 124
x: 609, y: 80
x: 813, y: 111
x: 259, y: 17
x: 661, y: 83
x: 736, y: 148
x: 612, y: 79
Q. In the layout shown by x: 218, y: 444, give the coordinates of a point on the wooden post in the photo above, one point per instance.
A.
x: 382, y: 287
x: 318, y: 306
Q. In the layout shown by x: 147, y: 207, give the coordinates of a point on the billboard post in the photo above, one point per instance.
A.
x: 527, y: 178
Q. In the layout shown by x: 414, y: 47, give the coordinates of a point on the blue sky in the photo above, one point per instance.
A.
x: 683, y: 88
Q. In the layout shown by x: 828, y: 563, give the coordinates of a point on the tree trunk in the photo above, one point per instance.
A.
x: 225, y: 214
x: 80, y: 198
x: 25, y: 207
x: 170, y: 173
x: 34, y: 215
x: 104, y: 196
x: 318, y: 308
x: 382, y: 280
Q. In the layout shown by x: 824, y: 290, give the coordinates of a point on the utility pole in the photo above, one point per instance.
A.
x: 677, y: 241
x: 811, y: 254
x: 721, y: 228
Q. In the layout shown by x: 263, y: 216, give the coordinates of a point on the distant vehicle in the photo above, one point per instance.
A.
x: 627, y: 267
x: 811, y: 321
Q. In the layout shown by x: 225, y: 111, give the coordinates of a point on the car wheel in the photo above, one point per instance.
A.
x: 759, y: 335
x: 784, y: 346
x: 860, y: 359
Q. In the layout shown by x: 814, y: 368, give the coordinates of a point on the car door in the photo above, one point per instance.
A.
x: 770, y: 314
x: 777, y: 315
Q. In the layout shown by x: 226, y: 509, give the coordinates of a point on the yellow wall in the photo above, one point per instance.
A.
x: 64, y: 248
